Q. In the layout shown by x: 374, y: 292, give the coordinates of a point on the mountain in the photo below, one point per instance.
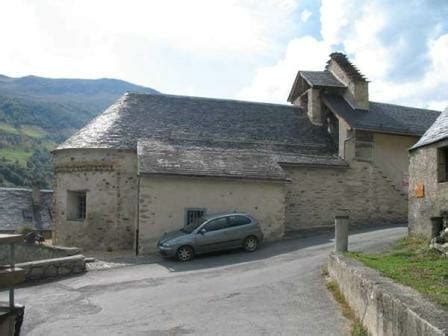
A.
x: 37, y: 113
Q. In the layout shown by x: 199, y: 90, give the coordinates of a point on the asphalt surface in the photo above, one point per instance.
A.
x: 278, y: 290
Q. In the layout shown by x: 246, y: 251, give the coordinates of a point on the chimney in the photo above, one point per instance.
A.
x: 357, y: 93
x: 35, y: 194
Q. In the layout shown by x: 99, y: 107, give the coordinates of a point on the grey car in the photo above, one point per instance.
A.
x: 212, y: 233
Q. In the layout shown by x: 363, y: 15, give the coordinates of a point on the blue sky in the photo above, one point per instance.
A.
x: 244, y: 49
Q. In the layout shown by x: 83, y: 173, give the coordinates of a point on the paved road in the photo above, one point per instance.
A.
x: 277, y: 290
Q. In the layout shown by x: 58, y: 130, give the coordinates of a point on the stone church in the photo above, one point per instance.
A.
x: 152, y: 163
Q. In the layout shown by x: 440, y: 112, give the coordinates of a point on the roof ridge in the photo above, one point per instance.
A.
x: 410, y: 107
x: 23, y: 189
x: 211, y: 98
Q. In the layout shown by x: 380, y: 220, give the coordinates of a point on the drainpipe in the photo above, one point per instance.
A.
x: 137, y: 230
x: 347, y: 140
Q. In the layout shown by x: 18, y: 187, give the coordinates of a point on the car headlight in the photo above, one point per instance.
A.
x: 165, y: 244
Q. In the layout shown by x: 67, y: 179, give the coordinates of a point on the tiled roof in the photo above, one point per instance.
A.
x: 256, y: 125
x: 222, y: 159
x: 437, y: 132
x: 17, y: 210
x: 384, y: 118
x: 321, y: 78
x: 156, y: 157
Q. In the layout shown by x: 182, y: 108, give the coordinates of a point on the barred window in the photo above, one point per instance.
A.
x: 192, y: 216
x: 76, y: 205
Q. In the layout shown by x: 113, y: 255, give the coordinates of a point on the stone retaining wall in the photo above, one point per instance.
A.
x: 31, y: 252
x: 51, y: 268
x: 384, y: 307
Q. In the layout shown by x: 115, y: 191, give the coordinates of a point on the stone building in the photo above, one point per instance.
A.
x: 428, y: 181
x: 153, y: 163
x: 30, y: 208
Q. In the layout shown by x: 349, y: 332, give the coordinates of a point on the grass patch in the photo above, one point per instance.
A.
x: 13, y: 155
x: 33, y: 131
x: 411, y: 263
x: 5, y: 128
x: 357, y: 328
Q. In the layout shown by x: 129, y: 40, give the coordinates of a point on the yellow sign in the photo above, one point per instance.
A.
x: 420, y: 190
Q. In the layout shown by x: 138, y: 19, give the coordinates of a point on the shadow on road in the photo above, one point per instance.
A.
x: 293, y: 241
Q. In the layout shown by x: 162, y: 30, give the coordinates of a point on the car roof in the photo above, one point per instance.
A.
x: 222, y: 214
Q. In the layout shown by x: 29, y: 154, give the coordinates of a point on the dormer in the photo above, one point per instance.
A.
x: 307, y: 89
x: 357, y: 93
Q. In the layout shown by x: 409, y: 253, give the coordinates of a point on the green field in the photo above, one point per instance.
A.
x: 13, y: 155
x: 413, y: 264
x: 33, y: 131
x: 5, y: 128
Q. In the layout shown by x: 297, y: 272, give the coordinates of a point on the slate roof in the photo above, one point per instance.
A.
x: 383, y: 118
x: 321, y: 78
x: 437, y: 132
x: 17, y: 210
x: 134, y: 116
x: 156, y: 157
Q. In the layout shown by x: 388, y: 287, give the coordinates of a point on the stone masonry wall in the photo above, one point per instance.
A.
x: 423, y: 171
x: 391, y: 156
x: 52, y: 268
x: 31, y: 252
x: 110, y: 180
x: 163, y: 201
x: 384, y: 307
x: 316, y: 194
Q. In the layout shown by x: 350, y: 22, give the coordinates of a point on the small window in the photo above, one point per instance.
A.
x: 193, y: 216
x: 442, y: 164
x: 76, y: 205
x: 217, y: 224
x: 239, y: 220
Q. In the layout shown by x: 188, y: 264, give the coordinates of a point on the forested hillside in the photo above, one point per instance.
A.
x: 38, y: 113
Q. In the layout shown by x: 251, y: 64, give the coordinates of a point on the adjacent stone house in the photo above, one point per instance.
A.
x: 428, y: 182
x: 30, y: 208
x: 153, y: 163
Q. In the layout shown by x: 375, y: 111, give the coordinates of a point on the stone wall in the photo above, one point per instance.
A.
x: 423, y: 171
x: 163, y: 201
x: 317, y: 193
x: 31, y: 252
x: 109, y: 179
x: 391, y: 156
x: 51, y: 268
x: 384, y: 307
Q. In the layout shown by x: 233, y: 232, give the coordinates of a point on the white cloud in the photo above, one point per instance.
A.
x: 305, y: 15
x: 143, y: 41
x: 274, y: 82
x: 363, y: 31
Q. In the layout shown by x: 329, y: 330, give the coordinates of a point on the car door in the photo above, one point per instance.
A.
x: 212, y: 236
x: 239, y: 229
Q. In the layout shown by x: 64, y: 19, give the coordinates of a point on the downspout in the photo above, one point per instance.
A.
x: 347, y: 140
x: 137, y: 229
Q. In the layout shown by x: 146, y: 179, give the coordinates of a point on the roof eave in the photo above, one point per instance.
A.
x: 232, y: 177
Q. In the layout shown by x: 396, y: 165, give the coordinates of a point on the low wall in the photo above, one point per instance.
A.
x: 32, y: 252
x: 51, y: 268
x: 384, y: 307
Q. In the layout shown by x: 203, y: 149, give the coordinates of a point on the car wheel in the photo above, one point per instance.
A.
x: 185, y: 253
x: 250, y: 244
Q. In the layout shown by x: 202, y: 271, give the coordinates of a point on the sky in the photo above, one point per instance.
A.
x: 247, y: 49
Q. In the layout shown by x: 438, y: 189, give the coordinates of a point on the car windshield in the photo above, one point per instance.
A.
x: 193, y: 226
